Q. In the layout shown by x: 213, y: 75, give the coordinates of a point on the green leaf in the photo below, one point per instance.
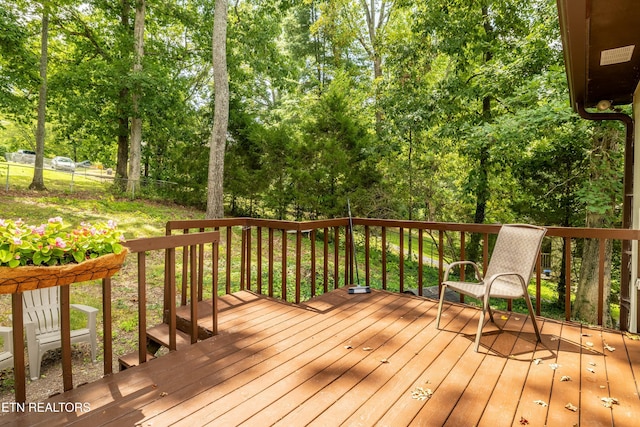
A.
x: 78, y: 256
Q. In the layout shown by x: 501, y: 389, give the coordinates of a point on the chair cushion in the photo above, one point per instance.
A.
x: 499, y: 289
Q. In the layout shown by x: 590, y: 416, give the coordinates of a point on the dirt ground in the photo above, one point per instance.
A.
x: 50, y: 381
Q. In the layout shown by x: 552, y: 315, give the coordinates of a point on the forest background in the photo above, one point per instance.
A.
x: 434, y: 110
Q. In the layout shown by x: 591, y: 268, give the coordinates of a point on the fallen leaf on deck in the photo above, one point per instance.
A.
x: 540, y: 402
x: 421, y: 393
x: 537, y: 361
x: 367, y: 348
x: 384, y: 361
x: 593, y: 371
x: 589, y: 344
x: 571, y: 407
x: 163, y: 394
x: 632, y: 336
x: 608, y: 347
x: 348, y: 347
x: 524, y: 421
x: 565, y: 378
x: 609, y: 401
x: 503, y: 317
x: 602, y: 387
x: 555, y: 338
x: 554, y: 366
x: 592, y: 363
x: 586, y: 335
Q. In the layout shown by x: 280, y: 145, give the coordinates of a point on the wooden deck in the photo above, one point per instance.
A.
x: 347, y: 359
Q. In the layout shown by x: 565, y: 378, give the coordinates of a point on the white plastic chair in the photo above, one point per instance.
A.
x: 507, y: 276
x: 42, y: 324
x: 6, y: 355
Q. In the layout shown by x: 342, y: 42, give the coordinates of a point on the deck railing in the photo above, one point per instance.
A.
x: 326, y: 261
x: 294, y: 261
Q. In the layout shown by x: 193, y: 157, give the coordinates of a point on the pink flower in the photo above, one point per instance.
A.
x: 38, y: 230
x: 60, y: 243
x: 17, y: 241
x: 54, y: 220
x: 2, y: 223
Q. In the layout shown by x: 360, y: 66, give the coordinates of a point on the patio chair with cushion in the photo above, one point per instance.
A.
x: 507, y: 276
x: 6, y: 354
x: 41, y: 308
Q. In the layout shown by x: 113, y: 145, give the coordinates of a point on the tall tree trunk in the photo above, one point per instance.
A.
x: 585, y: 306
x: 218, y: 139
x: 135, y: 149
x: 482, y: 172
x: 604, y: 168
x: 376, y: 21
x: 123, y: 118
x: 38, y: 172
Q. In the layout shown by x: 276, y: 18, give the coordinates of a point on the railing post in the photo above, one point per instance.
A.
x: 367, y: 255
x: 312, y: 237
x: 214, y: 286
x: 336, y: 257
x: 65, y: 337
x: 170, y: 256
x: 401, y: 259
x: 383, y: 233
x: 18, y: 348
x: 284, y: 265
x: 194, y: 301
x: 325, y: 260
x: 270, y: 262
x: 601, y: 259
x: 420, y: 260
x: 567, y: 291
x: 298, y: 264
x: 142, y: 308
x: 107, y: 327
x: 259, y: 259
x: 228, y: 270
x: 463, y: 255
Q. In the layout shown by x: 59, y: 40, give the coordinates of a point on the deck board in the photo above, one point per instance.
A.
x: 343, y: 359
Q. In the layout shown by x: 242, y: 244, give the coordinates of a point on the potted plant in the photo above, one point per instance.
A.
x: 54, y: 254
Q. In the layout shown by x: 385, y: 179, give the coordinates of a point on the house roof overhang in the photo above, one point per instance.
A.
x: 601, y: 64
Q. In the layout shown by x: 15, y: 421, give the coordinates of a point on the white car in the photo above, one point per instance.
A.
x: 63, y: 163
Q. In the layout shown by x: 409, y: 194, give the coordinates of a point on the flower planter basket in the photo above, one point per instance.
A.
x: 27, y: 278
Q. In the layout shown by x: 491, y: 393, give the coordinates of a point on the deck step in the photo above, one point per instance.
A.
x: 160, y: 334
x: 130, y: 360
x: 205, y: 319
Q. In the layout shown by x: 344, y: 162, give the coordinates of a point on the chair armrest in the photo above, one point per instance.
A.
x: 90, y: 312
x: 457, y: 263
x: 84, y: 308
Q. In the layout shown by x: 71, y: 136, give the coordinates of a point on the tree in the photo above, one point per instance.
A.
x: 218, y: 138
x: 133, y: 182
x: 38, y: 171
x: 601, y: 193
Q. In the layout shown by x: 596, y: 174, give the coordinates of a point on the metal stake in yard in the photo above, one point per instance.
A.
x: 358, y: 289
